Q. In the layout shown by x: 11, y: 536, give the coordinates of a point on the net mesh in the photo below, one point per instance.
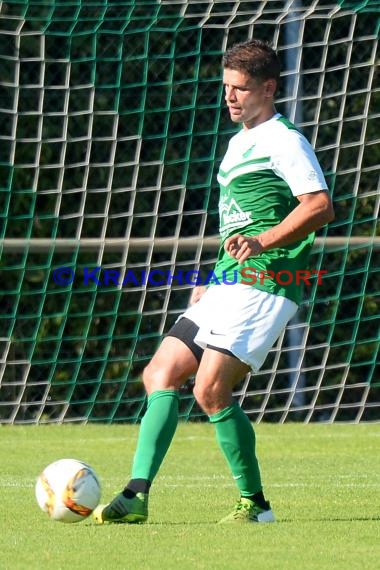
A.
x: 113, y: 127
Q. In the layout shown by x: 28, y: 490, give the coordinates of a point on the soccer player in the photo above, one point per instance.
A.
x: 273, y: 197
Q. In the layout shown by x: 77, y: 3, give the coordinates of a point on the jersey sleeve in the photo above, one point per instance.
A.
x: 297, y: 164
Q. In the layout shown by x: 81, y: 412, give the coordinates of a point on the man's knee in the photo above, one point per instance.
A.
x: 147, y: 377
x: 155, y: 378
x: 199, y: 395
x: 212, y: 398
x: 167, y: 373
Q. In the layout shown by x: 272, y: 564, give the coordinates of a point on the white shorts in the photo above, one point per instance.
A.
x: 241, y: 319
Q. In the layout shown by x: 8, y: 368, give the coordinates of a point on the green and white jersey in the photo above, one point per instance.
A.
x: 262, y: 173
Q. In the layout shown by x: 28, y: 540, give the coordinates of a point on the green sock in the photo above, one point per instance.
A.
x: 156, y: 433
x: 236, y: 438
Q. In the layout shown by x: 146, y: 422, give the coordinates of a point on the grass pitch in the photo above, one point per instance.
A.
x: 323, y: 482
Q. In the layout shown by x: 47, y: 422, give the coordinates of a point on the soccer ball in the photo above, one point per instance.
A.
x: 68, y: 490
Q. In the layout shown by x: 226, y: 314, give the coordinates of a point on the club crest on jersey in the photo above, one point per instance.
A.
x: 232, y: 216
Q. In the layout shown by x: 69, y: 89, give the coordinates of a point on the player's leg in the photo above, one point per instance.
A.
x: 247, y: 323
x: 218, y: 373
x: 169, y: 369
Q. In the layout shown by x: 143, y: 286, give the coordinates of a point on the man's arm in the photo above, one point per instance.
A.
x: 314, y: 211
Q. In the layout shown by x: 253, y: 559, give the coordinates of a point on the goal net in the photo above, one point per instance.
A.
x: 112, y: 127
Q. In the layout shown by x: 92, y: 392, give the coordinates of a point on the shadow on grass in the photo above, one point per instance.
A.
x: 332, y: 519
x: 213, y: 523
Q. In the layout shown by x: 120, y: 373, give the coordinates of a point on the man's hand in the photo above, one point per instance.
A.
x: 242, y: 247
x: 196, y: 294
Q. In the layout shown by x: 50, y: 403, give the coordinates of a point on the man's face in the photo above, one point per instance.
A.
x: 249, y: 101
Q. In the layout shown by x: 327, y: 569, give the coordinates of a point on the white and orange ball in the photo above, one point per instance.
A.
x: 68, y: 490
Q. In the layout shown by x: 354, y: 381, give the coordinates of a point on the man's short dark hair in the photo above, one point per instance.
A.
x: 256, y: 58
